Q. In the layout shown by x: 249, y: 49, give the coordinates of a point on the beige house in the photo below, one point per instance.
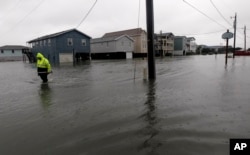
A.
x: 138, y: 35
x: 164, y: 44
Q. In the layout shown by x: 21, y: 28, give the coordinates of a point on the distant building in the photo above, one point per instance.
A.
x: 112, y: 47
x: 184, y: 45
x: 164, y: 44
x: 138, y: 35
x: 65, y: 46
x: 192, y: 45
x: 204, y: 49
x: 12, y: 52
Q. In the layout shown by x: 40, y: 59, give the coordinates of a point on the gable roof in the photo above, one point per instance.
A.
x: 166, y: 34
x: 13, y: 47
x: 191, y: 38
x: 130, y: 32
x: 108, y: 39
x: 56, y: 35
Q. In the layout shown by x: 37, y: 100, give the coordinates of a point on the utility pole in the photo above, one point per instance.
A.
x: 150, y: 39
x: 235, y: 24
x: 245, y: 39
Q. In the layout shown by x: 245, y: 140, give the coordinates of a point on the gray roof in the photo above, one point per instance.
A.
x: 191, y: 38
x: 180, y: 37
x: 13, y: 47
x: 188, y: 38
x: 56, y: 35
x: 165, y: 34
x: 108, y: 39
x: 130, y: 32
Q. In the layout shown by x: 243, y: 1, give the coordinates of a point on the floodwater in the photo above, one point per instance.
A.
x: 195, y: 105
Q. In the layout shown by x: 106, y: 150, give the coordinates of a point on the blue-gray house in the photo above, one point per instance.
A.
x: 65, y: 46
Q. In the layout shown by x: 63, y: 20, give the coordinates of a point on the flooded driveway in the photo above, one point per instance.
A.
x: 194, y: 107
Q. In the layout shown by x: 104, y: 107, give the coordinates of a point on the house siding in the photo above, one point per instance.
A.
x: 138, y: 35
x: 164, y: 44
x: 49, y: 51
x: 178, y: 44
x: 12, y: 53
x: 59, y: 45
x: 8, y: 55
x: 184, y: 45
x: 103, y: 47
x: 112, y: 47
x: 63, y: 47
x: 122, y: 44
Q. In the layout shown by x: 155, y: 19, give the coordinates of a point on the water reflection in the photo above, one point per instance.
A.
x: 150, y: 131
x: 45, y: 95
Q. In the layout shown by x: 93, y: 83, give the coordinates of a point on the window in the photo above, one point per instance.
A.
x: 49, y: 42
x: 41, y: 43
x: 84, y: 42
x: 13, y: 51
x: 2, y: 51
x: 44, y: 42
x: 70, y: 41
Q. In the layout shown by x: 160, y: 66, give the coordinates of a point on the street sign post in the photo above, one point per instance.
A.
x: 227, y: 35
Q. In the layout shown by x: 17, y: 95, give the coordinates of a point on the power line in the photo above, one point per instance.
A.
x: 36, y: 7
x: 208, y: 33
x: 224, y: 17
x: 87, y: 14
x: 20, y: 21
x: 220, y: 13
x: 204, y: 14
x: 10, y: 9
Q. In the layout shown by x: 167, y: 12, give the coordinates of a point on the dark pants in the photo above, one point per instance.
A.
x: 44, y: 77
x: 42, y: 72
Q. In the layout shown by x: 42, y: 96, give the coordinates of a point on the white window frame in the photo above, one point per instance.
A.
x: 70, y: 42
x: 84, y: 42
x: 49, y: 42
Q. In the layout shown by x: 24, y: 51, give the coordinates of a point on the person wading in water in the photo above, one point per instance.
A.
x: 43, y: 67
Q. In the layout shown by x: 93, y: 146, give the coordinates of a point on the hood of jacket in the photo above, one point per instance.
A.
x: 39, y: 55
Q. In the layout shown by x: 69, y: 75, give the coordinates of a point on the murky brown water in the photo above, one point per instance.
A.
x: 194, y: 107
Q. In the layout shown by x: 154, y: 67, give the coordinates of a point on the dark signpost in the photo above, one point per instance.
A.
x: 227, y: 35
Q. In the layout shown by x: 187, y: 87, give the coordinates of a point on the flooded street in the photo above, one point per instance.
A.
x: 194, y: 107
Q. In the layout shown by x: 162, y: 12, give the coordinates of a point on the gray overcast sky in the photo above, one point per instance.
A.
x: 24, y: 20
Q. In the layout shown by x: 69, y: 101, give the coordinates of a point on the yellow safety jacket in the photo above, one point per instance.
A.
x: 42, y: 62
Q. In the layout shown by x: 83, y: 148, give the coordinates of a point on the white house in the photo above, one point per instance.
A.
x: 164, y: 44
x: 192, y: 45
x: 184, y: 45
x: 12, y: 52
x: 120, y: 47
